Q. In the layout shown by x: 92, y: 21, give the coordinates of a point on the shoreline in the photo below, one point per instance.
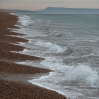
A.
x: 13, y: 77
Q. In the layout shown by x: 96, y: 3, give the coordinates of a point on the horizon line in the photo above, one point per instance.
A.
x: 44, y: 8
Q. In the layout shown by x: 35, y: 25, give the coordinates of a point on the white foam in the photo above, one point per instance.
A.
x: 53, y: 63
x: 30, y: 41
x: 50, y: 87
x: 51, y: 82
x: 82, y: 74
x: 21, y: 43
x: 51, y: 46
x: 12, y: 13
x: 20, y: 63
x: 25, y: 20
x: 24, y: 51
x: 17, y: 25
x: 15, y: 51
x: 9, y: 28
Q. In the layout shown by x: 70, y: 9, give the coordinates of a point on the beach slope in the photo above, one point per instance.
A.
x: 14, y: 77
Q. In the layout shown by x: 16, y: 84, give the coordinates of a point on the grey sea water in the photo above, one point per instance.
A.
x: 70, y: 45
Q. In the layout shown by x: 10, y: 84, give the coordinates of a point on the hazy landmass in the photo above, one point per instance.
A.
x: 62, y: 10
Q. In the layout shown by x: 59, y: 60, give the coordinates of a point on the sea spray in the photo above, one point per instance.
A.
x: 51, y: 46
x: 82, y: 74
x: 25, y: 20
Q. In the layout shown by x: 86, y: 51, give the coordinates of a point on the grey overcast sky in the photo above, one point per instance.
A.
x: 41, y: 4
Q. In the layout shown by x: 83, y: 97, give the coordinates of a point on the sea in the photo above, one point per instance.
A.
x: 70, y: 45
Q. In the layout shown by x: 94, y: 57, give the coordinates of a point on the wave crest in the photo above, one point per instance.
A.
x: 51, y: 46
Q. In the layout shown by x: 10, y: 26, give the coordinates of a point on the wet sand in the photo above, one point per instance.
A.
x: 14, y: 77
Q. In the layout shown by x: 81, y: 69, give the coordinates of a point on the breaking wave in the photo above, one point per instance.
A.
x: 51, y: 46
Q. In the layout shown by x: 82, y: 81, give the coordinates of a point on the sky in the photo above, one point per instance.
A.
x: 41, y: 4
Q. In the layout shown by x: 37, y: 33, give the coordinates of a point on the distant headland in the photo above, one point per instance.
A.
x: 63, y: 10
